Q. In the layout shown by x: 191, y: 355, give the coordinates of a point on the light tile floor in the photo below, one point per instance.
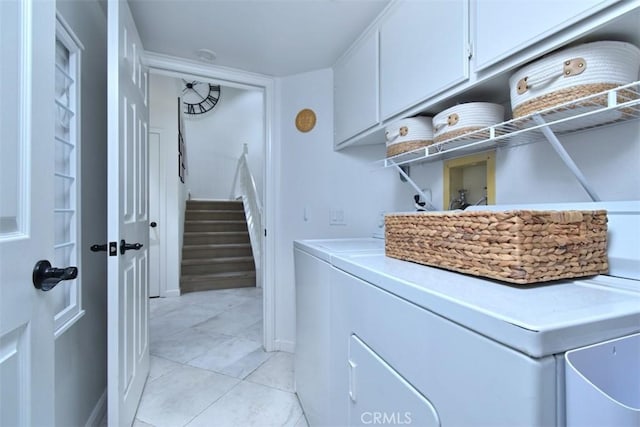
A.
x: 208, y: 367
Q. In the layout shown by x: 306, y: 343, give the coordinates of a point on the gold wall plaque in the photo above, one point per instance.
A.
x: 305, y: 120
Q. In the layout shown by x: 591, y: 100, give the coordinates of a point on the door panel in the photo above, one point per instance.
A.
x: 128, y: 339
x: 26, y: 203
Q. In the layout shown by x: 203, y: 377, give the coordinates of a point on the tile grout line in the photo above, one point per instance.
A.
x: 242, y: 334
x: 214, y: 402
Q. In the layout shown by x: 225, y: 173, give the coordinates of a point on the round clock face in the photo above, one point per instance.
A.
x: 199, y: 97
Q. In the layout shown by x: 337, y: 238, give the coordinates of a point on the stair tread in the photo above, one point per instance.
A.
x: 226, y: 221
x: 229, y: 274
x: 222, y: 206
x: 197, y: 261
x: 192, y: 233
x: 210, y: 210
x: 214, y: 202
x: 218, y: 246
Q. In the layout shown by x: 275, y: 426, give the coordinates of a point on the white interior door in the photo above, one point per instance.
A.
x: 26, y: 204
x: 127, y: 313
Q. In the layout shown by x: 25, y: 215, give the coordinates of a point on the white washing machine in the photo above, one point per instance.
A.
x: 313, y: 316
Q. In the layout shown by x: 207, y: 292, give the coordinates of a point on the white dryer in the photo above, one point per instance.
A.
x: 313, y: 316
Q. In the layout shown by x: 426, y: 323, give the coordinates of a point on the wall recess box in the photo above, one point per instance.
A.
x: 476, y: 174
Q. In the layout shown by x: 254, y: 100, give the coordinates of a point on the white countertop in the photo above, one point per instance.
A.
x: 538, y: 320
x: 325, y: 248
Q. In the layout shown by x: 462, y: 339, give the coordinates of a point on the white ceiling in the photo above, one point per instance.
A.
x: 273, y: 37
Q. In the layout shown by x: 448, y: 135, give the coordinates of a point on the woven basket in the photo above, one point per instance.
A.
x: 408, y: 135
x: 519, y: 247
x: 466, y: 118
x: 572, y: 74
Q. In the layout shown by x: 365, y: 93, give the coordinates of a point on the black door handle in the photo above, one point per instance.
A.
x: 98, y: 248
x: 153, y: 224
x: 46, y: 277
x: 124, y: 246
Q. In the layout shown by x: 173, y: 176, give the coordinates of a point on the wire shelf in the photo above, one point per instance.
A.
x: 600, y: 109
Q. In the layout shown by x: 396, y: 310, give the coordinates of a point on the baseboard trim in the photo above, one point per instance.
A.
x: 98, y: 412
x: 282, y: 345
x: 172, y: 293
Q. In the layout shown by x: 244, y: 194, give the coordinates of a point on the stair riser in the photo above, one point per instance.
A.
x: 212, y: 268
x: 214, y: 215
x: 196, y: 253
x: 225, y: 283
x: 215, y: 239
x: 219, y: 205
x: 215, y: 226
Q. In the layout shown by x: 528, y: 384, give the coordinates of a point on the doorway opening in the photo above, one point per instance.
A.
x: 214, y: 143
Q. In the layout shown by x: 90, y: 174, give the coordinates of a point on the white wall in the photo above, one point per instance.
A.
x: 609, y: 157
x: 314, y: 179
x: 163, y: 118
x: 216, y: 139
x: 81, y: 351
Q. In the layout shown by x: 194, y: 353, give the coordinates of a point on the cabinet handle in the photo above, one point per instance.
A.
x: 352, y: 380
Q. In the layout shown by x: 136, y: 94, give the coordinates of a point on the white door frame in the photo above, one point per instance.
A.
x: 162, y: 217
x: 178, y: 67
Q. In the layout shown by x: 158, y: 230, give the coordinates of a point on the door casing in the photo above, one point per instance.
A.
x: 175, y: 67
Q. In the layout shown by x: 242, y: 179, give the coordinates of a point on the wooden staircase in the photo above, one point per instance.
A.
x: 216, y: 251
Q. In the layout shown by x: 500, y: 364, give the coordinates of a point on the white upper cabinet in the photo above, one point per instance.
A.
x: 504, y: 27
x: 355, y: 79
x: 423, y: 51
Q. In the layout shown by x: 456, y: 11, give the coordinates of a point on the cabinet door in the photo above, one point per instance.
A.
x: 355, y: 79
x: 400, y: 403
x: 423, y: 51
x: 525, y: 22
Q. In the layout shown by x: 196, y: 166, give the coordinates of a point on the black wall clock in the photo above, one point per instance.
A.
x: 199, y: 97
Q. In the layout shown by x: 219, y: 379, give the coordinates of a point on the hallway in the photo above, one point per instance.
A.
x: 208, y: 367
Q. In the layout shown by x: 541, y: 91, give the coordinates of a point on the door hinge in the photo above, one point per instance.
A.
x: 113, y: 248
x: 469, y: 50
x: 265, y: 232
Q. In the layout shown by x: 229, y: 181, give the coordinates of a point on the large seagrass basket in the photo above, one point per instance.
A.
x: 520, y: 246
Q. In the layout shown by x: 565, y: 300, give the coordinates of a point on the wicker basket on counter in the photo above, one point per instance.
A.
x: 466, y: 118
x: 573, y: 73
x: 519, y: 246
x: 408, y: 135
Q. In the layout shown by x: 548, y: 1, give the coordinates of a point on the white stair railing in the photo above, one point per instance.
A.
x: 244, y: 188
